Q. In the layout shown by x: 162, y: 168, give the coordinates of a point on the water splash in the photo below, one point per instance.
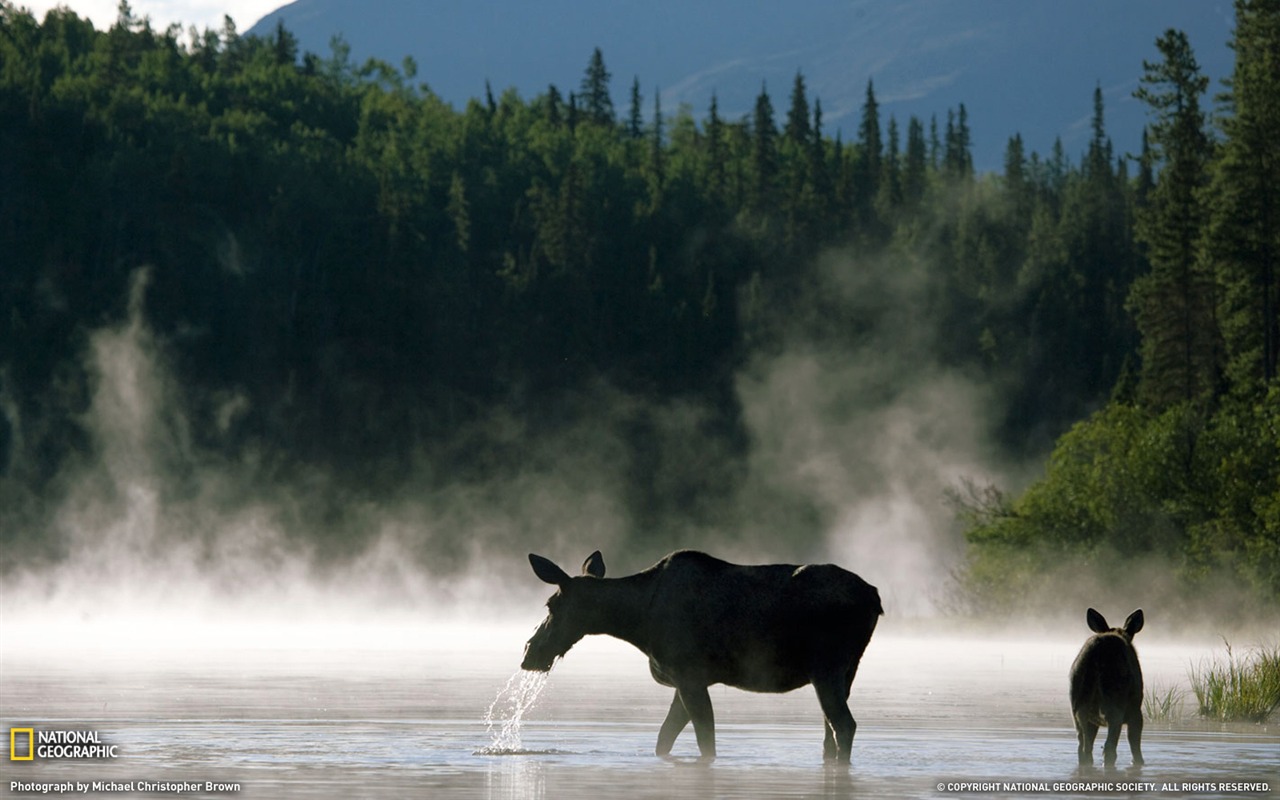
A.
x: 506, y: 713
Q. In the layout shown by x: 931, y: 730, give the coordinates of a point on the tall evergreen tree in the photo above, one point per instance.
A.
x: 595, y: 100
x: 797, y: 127
x: 916, y: 164
x: 764, y: 151
x: 715, y: 153
x: 870, y: 148
x: 1173, y: 304
x: 1097, y: 162
x: 1243, y: 241
x: 554, y: 102
x: 890, y: 197
x: 1015, y: 178
x: 635, y: 119
x: 819, y: 173
x: 957, y: 160
x: 657, y: 140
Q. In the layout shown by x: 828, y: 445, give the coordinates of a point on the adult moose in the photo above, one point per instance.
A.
x: 1106, y: 688
x: 703, y: 621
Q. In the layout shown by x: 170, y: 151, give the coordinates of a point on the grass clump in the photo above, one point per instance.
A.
x: 1162, y: 703
x: 1239, y: 688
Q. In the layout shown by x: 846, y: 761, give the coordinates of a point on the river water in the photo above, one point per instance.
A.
x: 937, y: 714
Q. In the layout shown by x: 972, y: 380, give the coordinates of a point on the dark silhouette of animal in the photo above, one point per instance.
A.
x: 703, y: 621
x: 1106, y: 688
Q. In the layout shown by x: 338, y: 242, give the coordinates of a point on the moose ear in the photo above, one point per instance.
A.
x: 547, y: 571
x: 1097, y: 622
x: 1134, y: 623
x: 594, y: 565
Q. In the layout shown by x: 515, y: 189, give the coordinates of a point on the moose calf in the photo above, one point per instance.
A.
x: 1106, y: 688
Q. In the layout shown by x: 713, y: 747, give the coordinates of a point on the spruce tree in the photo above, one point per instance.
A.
x: 553, y: 106
x: 890, y: 197
x: 1173, y: 304
x: 764, y: 151
x: 635, y: 119
x: 595, y: 100
x: 715, y: 153
x: 1243, y: 237
x: 916, y: 163
x: 870, y: 146
x: 797, y: 127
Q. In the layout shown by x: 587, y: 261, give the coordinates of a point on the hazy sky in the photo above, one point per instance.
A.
x: 201, y: 13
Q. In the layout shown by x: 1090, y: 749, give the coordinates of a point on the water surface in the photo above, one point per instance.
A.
x: 338, y: 721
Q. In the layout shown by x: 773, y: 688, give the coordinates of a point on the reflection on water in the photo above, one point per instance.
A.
x: 355, y: 723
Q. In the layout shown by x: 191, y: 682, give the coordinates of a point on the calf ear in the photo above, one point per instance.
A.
x: 1134, y: 623
x: 1097, y: 622
x: 594, y: 565
x: 547, y: 571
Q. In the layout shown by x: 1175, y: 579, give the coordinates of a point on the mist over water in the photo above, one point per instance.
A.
x: 851, y: 444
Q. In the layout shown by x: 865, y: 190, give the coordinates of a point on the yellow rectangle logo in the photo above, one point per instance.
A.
x: 13, y: 744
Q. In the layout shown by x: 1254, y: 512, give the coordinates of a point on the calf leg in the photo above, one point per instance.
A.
x: 1113, y: 740
x: 677, y: 718
x: 1086, y: 732
x: 833, y: 696
x: 1135, y: 736
x: 697, y: 702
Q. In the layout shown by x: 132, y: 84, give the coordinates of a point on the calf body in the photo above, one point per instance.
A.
x: 1106, y: 688
x: 703, y: 621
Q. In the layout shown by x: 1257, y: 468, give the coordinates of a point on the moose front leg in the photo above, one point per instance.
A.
x: 697, y: 702
x: 677, y: 718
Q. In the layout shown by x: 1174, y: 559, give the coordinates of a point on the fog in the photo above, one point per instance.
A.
x: 853, y: 436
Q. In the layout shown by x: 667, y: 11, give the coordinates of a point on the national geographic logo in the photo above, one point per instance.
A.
x: 28, y: 744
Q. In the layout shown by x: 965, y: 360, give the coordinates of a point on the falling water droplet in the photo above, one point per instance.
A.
x: 506, y: 713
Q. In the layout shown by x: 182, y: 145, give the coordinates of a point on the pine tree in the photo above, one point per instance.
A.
x: 797, y: 128
x: 916, y: 166
x: 1015, y: 178
x: 715, y: 153
x: 1173, y: 304
x: 819, y: 174
x: 596, y: 103
x: 870, y: 147
x: 1097, y: 160
x: 1243, y: 237
x: 764, y: 151
x: 635, y: 119
x: 553, y: 106
x: 957, y: 161
x: 657, y: 139
x: 934, y: 146
x: 1146, y: 180
x: 890, y: 197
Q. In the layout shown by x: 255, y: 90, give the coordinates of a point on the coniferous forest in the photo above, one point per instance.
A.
x: 346, y: 275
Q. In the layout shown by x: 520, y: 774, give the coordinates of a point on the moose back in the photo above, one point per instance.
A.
x: 703, y: 621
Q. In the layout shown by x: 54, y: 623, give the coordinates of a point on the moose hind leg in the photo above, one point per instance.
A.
x: 677, y: 718
x: 1086, y: 732
x: 833, y: 697
x: 697, y: 702
x: 1113, y: 741
x: 1134, y: 724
